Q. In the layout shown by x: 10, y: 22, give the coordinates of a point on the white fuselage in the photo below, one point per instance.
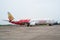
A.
x: 34, y: 22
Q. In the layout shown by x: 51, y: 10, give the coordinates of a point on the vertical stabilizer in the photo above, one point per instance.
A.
x: 10, y: 17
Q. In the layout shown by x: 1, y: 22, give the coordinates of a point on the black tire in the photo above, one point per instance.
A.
x: 27, y: 24
x: 50, y: 24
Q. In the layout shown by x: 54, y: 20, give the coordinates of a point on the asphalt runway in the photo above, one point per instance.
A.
x: 30, y: 33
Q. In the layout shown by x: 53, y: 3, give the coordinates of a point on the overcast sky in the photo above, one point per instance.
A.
x: 32, y: 9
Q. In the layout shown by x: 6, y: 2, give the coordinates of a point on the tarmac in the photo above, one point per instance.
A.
x: 30, y: 33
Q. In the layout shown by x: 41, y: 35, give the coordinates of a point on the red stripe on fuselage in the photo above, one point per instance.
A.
x: 20, y: 22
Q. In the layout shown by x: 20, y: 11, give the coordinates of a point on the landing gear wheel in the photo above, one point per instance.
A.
x: 27, y: 24
x: 50, y: 24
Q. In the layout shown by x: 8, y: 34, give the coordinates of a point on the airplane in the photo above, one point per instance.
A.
x: 20, y: 22
x: 28, y: 22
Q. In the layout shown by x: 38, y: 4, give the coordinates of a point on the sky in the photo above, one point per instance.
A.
x: 32, y: 9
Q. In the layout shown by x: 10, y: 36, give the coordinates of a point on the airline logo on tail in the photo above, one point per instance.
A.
x: 10, y: 17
